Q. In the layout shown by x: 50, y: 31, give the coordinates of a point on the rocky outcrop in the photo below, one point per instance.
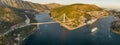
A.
x: 115, y: 26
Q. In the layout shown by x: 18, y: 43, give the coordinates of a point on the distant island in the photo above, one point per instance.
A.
x: 77, y: 15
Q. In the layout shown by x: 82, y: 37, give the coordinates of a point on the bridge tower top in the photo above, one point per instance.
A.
x: 27, y: 21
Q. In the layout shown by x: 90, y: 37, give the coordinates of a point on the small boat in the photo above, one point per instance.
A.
x: 94, y: 29
x: 109, y: 36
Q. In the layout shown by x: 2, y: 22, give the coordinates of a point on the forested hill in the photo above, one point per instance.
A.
x: 77, y: 14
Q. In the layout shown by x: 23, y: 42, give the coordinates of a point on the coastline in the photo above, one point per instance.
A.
x: 33, y: 30
x: 115, y: 32
x: 72, y: 28
x: 30, y: 33
x: 116, y: 24
x: 69, y: 28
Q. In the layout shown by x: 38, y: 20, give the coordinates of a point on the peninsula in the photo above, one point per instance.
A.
x: 77, y: 15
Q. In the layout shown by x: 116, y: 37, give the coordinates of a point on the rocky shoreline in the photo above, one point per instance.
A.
x: 115, y: 26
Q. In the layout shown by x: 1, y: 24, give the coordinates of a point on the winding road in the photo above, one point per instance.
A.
x: 17, y: 26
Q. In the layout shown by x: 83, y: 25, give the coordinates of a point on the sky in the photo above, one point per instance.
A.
x: 115, y: 4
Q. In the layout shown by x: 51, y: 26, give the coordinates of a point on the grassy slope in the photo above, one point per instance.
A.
x: 78, y: 12
x: 8, y: 18
x: 8, y: 15
x: 74, y: 10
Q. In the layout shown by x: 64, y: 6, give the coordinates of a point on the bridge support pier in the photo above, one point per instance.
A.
x: 38, y: 26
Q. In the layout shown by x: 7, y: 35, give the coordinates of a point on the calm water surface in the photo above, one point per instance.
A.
x: 54, y: 34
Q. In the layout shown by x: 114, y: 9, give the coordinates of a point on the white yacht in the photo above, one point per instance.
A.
x: 94, y: 29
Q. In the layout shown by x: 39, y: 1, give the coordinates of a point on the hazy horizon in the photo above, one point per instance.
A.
x: 101, y: 3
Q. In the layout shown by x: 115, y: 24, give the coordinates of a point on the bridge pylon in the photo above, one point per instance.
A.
x: 38, y: 26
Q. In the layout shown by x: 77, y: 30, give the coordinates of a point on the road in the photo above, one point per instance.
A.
x: 17, y: 26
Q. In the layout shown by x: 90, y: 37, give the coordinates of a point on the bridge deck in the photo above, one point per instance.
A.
x: 43, y: 23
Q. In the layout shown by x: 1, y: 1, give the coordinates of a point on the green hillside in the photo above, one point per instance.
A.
x: 77, y: 13
x: 10, y: 16
x: 75, y: 9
